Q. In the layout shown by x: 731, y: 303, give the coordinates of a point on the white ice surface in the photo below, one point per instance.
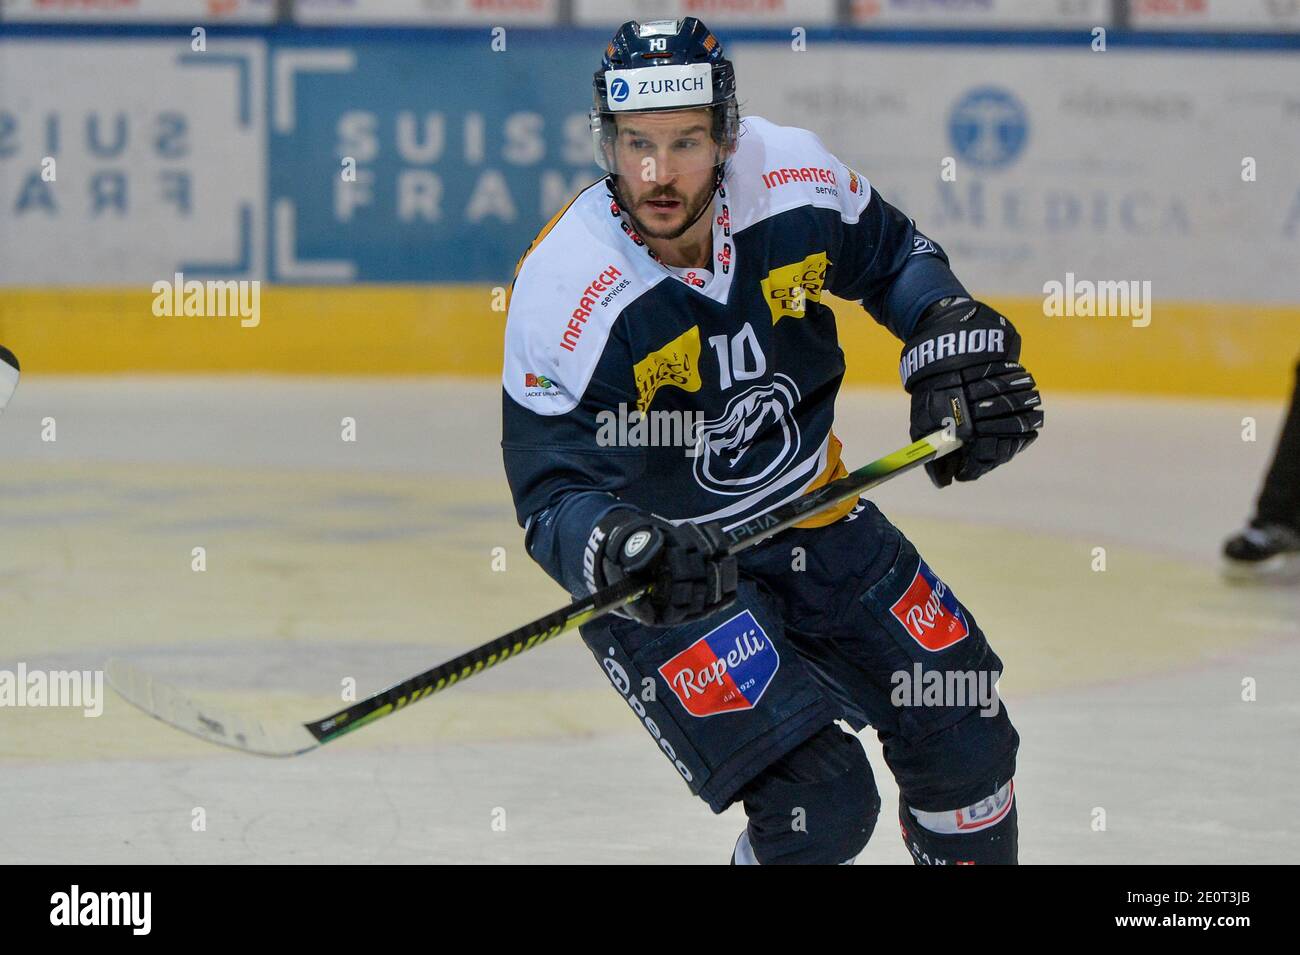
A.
x: 370, y: 560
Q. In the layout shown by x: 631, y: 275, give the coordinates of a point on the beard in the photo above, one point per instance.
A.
x: 693, y: 206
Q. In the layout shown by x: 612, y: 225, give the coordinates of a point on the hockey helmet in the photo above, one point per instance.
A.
x: 660, y: 66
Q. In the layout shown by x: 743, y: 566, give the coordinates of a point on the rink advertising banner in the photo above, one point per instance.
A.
x: 976, y: 14
x: 1045, y: 169
x: 491, y: 12
x: 121, y: 162
x: 402, y: 173
x: 199, y: 12
x: 1263, y: 15
x: 1121, y: 165
x: 371, y: 162
x: 736, y: 13
x: 388, y: 164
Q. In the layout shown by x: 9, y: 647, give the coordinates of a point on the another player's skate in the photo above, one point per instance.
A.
x: 1263, y: 551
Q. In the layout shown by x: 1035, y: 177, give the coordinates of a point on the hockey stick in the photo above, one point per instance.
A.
x: 289, y: 739
x: 8, y: 376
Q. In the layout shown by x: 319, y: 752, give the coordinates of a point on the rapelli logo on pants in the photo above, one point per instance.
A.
x: 724, y: 671
x: 929, y: 611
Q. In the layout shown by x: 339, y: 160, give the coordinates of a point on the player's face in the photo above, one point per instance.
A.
x: 665, y: 163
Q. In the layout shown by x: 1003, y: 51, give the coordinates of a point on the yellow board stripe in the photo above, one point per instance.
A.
x: 1189, y: 349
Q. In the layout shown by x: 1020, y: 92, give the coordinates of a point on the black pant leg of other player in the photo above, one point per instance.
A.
x: 1279, y: 499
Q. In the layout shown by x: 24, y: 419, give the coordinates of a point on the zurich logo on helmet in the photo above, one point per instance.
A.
x: 618, y: 90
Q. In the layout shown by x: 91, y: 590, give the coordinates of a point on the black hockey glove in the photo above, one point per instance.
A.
x: 686, y: 564
x: 961, y: 366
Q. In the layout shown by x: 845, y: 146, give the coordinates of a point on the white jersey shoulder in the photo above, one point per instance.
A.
x: 578, y: 278
x: 584, y: 271
x: 778, y: 168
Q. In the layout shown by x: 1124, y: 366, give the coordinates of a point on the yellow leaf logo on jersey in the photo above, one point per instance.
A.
x: 788, y: 290
x: 677, y: 363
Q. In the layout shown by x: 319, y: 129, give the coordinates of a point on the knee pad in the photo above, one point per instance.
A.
x: 983, y: 833
x: 816, y: 805
x: 959, y: 765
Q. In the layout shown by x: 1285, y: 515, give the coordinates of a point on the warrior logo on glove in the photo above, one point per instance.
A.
x: 961, y: 367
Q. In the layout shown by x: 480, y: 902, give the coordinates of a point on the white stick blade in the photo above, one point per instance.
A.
x: 212, y: 723
x: 8, y: 376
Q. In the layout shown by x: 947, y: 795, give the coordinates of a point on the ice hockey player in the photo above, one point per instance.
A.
x: 1268, y: 548
x: 689, y: 283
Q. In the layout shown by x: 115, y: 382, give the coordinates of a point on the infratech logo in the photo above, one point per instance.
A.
x: 783, y: 177
x: 591, y: 297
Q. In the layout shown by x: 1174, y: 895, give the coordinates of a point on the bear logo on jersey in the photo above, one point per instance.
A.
x: 929, y: 611
x: 754, y: 441
x: 726, y: 670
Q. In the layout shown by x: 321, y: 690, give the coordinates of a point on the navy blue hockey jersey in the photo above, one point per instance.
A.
x: 703, y: 394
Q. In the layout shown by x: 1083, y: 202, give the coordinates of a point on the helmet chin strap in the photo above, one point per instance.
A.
x: 719, y: 172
